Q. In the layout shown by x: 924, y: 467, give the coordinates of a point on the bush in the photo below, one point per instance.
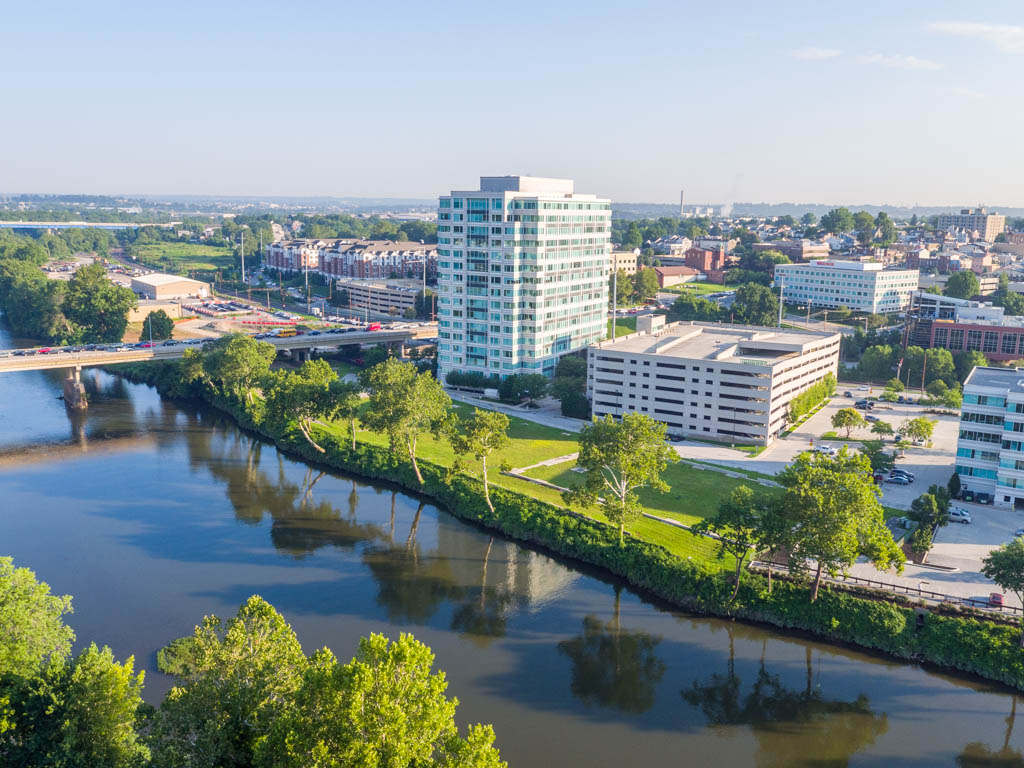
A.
x: 576, y: 405
x: 803, y: 403
x: 471, y: 380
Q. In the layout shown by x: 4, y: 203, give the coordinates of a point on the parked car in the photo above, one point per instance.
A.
x: 862, y: 389
x: 958, y: 515
x: 898, y: 471
x: 847, y: 394
x: 828, y: 450
x: 870, y: 418
x: 995, y: 600
x: 898, y: 480
x: 1019, y: 532
x: 864, y: 405
x: 984, y: 498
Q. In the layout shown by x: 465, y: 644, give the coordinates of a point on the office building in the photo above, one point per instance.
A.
x: 861, y: 287
x: 990, y: 447
x: 979, y: 220
x: 625, y: 261
x: 944, y: 322
x: 523, y: 267
x: 709, y: 380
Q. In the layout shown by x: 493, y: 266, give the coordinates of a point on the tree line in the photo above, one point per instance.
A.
x: 244, y: 694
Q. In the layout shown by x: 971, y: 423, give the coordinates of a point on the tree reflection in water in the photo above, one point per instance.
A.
x: 978, y: 755
x: 483, y: 617
x: 613, y: 667
x: 793, y: 726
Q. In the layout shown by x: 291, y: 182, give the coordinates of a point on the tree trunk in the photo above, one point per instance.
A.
x: 487, y: 493
x: 309, y: 439
x: 736, y: 587
x: 483, y: 574
x: 622, y: 533
x: 353, y: 434
x: 817, y: 583
x: 412, y: 458
x: 771, y: 561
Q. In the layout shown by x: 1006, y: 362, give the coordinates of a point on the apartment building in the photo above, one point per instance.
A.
x: 709, y: 380
x: 523, y: 267
x: 350, y: 257
x: 990, y: 447
x: 979, y: 220
x: 861, y: 287
x: 625, y: 261
x: 796, y: 250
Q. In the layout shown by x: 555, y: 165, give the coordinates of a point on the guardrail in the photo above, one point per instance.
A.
x: 904, y: 589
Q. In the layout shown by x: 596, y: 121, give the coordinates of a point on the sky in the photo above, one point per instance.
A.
x: 898, y: 102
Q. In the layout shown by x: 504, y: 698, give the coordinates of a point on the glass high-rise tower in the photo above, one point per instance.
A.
x: 523, y: 266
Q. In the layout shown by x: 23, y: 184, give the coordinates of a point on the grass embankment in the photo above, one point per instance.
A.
x: 623, y: 326
x: 182, y: 258
x: 886, y: 622
x: 697, y: 289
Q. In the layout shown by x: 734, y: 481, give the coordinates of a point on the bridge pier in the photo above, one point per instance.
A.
x: 74, y: 391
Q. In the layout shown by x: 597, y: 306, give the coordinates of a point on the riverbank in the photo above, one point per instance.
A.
x: 886, y: 623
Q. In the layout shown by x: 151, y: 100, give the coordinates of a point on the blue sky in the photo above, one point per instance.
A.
x: 903, y: 102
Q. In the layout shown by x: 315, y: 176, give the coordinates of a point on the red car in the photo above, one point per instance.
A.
x: 995, y: 600
x: 147, y: 345
x: 43, y: 351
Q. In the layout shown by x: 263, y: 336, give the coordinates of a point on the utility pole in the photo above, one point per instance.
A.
x: 924, y: 367
x: 243, y: 255
x: 782, y: 294
x: 615, y: 299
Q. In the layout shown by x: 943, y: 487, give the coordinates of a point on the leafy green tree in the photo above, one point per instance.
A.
x: 882, y: 429
x: 755, y: 305
x: 425, y: 304
x: 936, y: 389
x: 1005, y: 566
x: 304, y: 396
x: 645, y: 284
x: 875, y: 452
x: 32, y: 629
x: 623, y: 287
x: 953, y: 485
x: 533, y: 386
x: 808, y: 219
x: 690, y: 307
x: 886, y: 227
x: 894, y: 384
x: 618, y: 458
x: 877, y: 362
x: 100, y: 307
x: 347, y: 401
x: 864, y: 224
x: 966, y: 361
x: 632, y: 238
x: 157, y: 325
x: 479, y: 436
x: 740, y: 526
x: 838, y: 220
x: 404, y: 404
x: 952, y: 398
x: 837, y: 515
x: 921, y: 541
x: 78, y: 713
x: 920, y: 429
x: 239, y: 364
x: 234, y: 681
x: 848, y: 419
x: 386, y: 708
x: 963, y: 284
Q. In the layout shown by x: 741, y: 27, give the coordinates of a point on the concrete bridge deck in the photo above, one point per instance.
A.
x: 33, y: 360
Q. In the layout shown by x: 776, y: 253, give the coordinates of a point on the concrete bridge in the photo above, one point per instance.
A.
x: 42, y: 358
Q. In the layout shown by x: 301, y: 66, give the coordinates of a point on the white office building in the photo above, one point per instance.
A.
x: 523, y: 266
x: 713, y: 381
x: 858, y: 286
x: 990, y: 447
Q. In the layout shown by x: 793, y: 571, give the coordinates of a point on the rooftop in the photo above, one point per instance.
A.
x: 1009, y: 379
x: 157, y: 278
x: 720, y: 341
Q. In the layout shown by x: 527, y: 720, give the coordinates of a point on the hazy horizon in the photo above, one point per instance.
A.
x: 907, y: 103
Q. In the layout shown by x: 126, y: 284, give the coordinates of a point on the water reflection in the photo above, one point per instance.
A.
x: 614, y: 667
x: 793, y: 725
x: 978, y: 755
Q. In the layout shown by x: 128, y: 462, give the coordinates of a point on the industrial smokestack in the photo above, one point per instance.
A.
x: 682, y: 209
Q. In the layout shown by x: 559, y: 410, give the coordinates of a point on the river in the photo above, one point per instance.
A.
x: 152, y: 514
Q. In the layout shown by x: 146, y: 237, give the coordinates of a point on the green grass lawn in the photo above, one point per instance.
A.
x: 623, y: 326
x: 184, y: 257
x: 694, y: 493
x: 700, y: 289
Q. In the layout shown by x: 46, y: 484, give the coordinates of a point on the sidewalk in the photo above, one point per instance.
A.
x: 547, y: 414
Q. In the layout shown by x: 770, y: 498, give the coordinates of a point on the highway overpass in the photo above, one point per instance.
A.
x: 60, y: 357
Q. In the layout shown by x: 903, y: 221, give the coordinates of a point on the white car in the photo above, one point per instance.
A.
x: 828, y: 450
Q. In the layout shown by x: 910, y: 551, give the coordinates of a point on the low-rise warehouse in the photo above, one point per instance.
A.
x: 161, y: 286
x: 713, y: 381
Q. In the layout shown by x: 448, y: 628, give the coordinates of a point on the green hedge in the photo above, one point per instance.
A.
x: 984, y: 648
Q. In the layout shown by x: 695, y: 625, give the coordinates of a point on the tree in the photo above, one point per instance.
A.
x: 894, y: 384
x: 404, y: 404
x: 645, y: 284
x: 962, y: 285
x: 32, y: 629
x: 966, y: 361
x: 157, y: 325
x: 953, y: 485
x: 234, y: 681
x: 533, y: 386
x: 303, y: 396
x: 81, y: 713
x: 690, y: 307
x: 755, y: 305
x: 739, y: 524
x: 618, y: 458
x: 99, y: 306
x: 838, y: 220
x: 808, y: 219
x: 875, y: 452
x: 882, y: 429
x: 424, y: 304
x: 848, y: 419
x: 877, y: 362
x: 837, y: 515
x: 239, y: 363
x: 479, y: 436
x: 1005, y: 566
x: 384, y: 708
x: 347, y: 400
x: 623, y: 287
x: 887, y: 228
x: 936, y: 389
x: 952, y: 398
x: 919, y: 429
x: 632, y: 238
x: 864, y: 223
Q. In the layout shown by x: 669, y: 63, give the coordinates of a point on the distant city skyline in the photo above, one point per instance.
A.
x: 898, y: 104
